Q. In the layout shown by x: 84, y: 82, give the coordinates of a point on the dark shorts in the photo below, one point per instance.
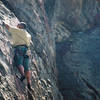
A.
x: 21, y: 57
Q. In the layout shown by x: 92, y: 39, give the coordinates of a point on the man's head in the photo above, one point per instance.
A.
x: 22, y: 25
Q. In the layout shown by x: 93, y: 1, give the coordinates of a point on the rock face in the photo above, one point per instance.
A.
x: 77, y: 15
x: 78, y: 62
x: 42, y: 54
x: 74, y: 34
x: 76, y: 25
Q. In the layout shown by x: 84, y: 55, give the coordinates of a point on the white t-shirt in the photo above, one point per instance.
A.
x: 20, y: 36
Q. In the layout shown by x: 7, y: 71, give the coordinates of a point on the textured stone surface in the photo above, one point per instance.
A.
x: 42, y: 64
x: 79, y: 58
x: 75, y: 27
x: 77, y: 15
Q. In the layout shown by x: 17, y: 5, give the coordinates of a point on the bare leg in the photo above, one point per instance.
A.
x: 21, y: 70
x: 28, y: 76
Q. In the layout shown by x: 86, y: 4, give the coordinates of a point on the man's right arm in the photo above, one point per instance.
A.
x: 6, y: 25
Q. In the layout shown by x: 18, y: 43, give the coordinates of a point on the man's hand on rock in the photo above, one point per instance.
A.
x: 6, y: 25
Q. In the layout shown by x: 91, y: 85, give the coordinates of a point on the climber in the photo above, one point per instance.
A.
x: 21, y: 42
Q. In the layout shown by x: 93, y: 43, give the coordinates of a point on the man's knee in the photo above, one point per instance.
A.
x: 20, y: 66
x: 27, y: 73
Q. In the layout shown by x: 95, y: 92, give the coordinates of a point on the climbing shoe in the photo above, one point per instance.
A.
x: 29, y: 86
x: 22, y: 78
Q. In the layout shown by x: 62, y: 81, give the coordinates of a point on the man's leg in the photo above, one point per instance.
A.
x: 18, y: 62
x: 28, y: 77
x: 18, y: 59
x: 21, y: 70
x: 27, y: 72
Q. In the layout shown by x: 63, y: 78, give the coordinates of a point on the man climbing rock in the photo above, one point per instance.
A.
x: 21, y: 42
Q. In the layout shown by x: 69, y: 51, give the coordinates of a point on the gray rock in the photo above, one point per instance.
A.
x: 73, y: 34
x: 42, y: 64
